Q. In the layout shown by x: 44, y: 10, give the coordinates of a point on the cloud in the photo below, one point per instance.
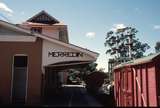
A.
x: 90, y: 34
x: 137, y: 10
x: 5, y: 8
x: 22, y: 13
x: 156, y: 27
x: 117, y: 26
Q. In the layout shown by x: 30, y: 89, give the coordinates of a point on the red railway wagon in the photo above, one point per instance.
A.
x: 137, y: 83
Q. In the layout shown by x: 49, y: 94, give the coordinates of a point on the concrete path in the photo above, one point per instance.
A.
x: 72, y: 96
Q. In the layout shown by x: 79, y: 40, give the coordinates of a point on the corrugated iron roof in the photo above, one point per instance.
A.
x: 139, y: 61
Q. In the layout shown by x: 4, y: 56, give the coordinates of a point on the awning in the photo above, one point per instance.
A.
x: 69, y: 65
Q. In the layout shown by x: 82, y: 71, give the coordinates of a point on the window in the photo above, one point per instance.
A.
x: 20, y: 61
x: 61, y: 35
x: 36, y: 29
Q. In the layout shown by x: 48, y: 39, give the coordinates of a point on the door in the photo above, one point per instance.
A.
x: 19, y: 77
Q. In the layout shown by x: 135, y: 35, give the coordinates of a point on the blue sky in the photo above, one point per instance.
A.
x: 89, y: 20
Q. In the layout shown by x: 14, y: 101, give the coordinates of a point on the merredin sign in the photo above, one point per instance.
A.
x: 65, y: 54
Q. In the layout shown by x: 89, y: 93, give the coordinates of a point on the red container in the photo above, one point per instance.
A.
x: 137, y: 83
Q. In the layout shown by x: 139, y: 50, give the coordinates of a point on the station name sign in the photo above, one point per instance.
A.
x: 65, y: 54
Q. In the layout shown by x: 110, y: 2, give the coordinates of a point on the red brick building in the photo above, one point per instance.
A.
x: 31, y: 55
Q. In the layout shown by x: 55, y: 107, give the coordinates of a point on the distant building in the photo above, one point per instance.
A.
x: 34, y: 55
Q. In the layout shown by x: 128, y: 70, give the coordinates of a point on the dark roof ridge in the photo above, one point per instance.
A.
x: 42, y: 12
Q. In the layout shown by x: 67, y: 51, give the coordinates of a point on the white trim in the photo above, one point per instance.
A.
x: 27, y: 80
x: 69, y: 64
x: 13, y: 76
x: 3, y: 23
x: 7, y: 38
x: 20, y: 55
x: 12, y: 79
x: 43, y: 68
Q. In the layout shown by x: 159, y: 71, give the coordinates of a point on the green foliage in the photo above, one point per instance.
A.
x: 74, y: 76
x: 87, y: 70
x: 157, y: 47
x: 81, y: 73
x: 118, y: 43
x: 91, y: 67
x: 95, y: 80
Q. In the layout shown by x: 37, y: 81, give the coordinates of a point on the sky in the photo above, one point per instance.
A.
x: 89, y: 20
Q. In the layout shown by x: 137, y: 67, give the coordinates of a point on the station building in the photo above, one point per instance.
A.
x: 33, y: 55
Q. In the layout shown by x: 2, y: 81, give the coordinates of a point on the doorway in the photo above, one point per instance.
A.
x: 19, y: 79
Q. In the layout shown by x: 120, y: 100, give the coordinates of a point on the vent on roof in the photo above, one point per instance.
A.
x: 43, y: 17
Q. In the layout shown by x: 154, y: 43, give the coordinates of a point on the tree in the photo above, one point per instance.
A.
x: 91, y: 67
x: 79, y: 74
x: 124, y: 45
x: 95, y: 80
x: 87, y: 70
x: 111, y: 64
x: 157, y: 47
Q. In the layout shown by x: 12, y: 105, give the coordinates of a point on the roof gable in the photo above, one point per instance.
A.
x: 44, y: 18
x: 70, y: 46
